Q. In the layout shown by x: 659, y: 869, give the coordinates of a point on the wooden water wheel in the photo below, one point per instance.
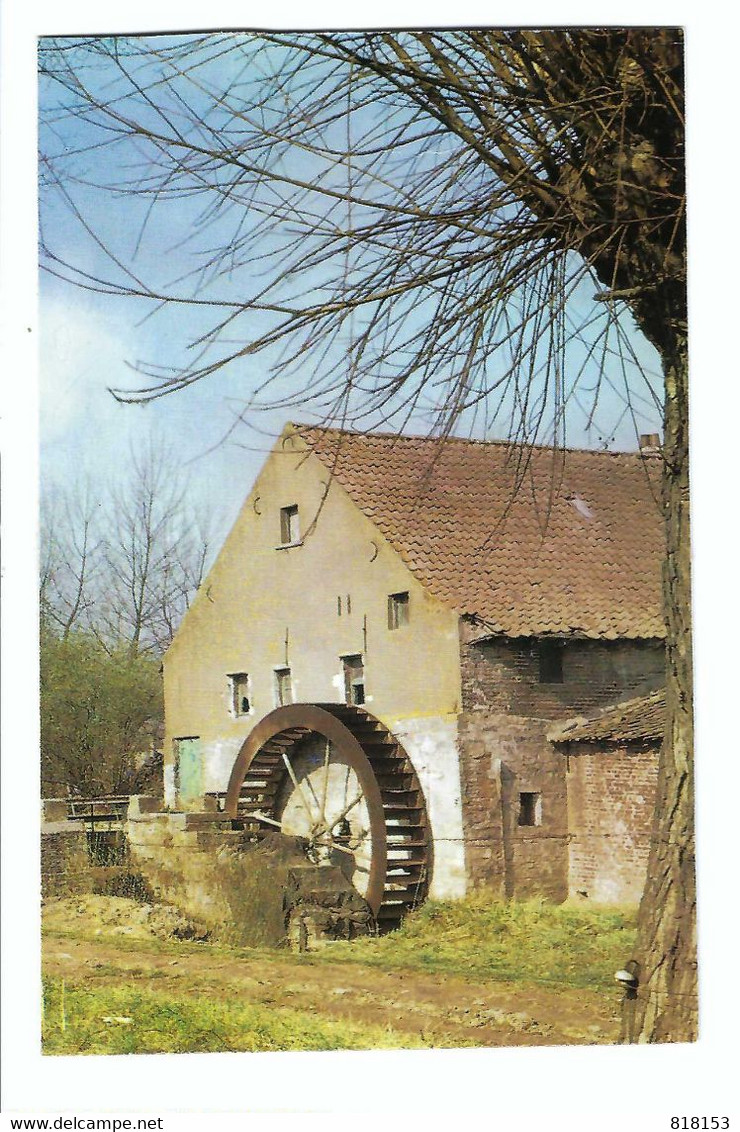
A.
x: 334, y: 776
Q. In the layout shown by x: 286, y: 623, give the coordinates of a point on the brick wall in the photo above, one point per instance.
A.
x: 503, y: 676
x: 500, y: 757
x: 504, y: 751
x: 611, y: 795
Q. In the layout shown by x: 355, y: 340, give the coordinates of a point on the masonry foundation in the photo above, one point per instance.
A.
x: 247, y: 895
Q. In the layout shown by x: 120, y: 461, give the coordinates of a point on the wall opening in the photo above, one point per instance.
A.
x: 240, y: 702
x: 289, y: 528
x: 398, y: 610
x: 353, y: 671
x: 530, y: 808
x: 550, y: 657
x: 283, y: 687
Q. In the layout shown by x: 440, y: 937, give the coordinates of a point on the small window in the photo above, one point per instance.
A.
x: 530, y: 808
x: 289, y: 529
x: 240, y: 703
x: 550, y: 654
x: 398, y: 610
x: 283, y: 687
x: 354, y: 679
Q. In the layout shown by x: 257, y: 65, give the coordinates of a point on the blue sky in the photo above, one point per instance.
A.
x: 92, y: 342
x: 88, y: 343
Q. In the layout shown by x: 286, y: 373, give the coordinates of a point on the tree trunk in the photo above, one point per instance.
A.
x: 666, y: 1006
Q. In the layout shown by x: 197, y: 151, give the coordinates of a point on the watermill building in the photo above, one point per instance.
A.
x: 397, y: 624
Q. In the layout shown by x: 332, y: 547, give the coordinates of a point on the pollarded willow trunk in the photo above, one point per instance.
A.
x: 667, y: 1006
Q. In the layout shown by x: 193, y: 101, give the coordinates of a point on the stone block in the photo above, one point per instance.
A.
x: 54, y: 809
x: 185, y: 837
x: 62, y: 827
x: 142, y: 806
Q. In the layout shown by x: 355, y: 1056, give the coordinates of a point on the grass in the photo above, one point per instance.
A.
x: 478, y: 937
x: 520, y: 944
x: 526, y: 941
x: 118, y: 1020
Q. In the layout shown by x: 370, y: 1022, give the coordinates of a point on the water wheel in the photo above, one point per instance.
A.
x: 334, y: 776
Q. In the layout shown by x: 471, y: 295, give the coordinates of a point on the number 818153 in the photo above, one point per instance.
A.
x: 700, y: 1122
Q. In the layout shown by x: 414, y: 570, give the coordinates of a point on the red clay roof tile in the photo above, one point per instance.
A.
x: 531, y: 540
x: 634, y: 721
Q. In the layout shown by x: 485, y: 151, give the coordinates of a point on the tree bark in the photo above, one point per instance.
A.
x: 666, y: 1006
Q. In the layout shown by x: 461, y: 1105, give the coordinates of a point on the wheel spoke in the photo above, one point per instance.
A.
x: 320, y: 805
x: 308, y: 783
x: 325, y: 790
x: 263, y: 817
x: 329, y: 824
x: 299, y: 792
x: 339, y: 848
x: 346, y: 809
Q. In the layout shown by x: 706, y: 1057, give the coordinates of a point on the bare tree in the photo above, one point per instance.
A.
x: 118, y: 569
x: 181, y: 573
x: 155, y: 555
x: 123, y: 561
x: 468, y: 223
x: 70, y: 558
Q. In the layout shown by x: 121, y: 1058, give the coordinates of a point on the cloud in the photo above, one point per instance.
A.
x: 79, y: 358
x: 84, y: 431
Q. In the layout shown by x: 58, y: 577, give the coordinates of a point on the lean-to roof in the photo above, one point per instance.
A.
x: 635, y: 721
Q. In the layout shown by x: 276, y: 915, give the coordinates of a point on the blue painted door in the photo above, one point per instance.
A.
x: 188, y: 772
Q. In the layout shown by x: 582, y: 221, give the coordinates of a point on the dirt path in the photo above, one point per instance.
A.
x: 432, y: 1006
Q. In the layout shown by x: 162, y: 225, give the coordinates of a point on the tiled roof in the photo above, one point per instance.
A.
x: 530, y: 540
x: 634, y: 721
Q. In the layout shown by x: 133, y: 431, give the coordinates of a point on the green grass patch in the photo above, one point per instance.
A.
x: 116, y: 1020
x: 478, y: 938
x: 519, y: 941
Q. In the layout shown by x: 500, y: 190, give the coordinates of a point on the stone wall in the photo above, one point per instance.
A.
x: 66, y: 868
x: 611, y: 795
x: 77, y: 860
x: 195, y: 863
x: 246, y: 895
x: 515, y: 845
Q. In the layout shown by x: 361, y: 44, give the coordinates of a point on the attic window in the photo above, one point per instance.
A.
x: 530, y: 808
x: 550, y: 656
x: 289, y: 530
x: 240, y: 704
x: 398, y: 610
